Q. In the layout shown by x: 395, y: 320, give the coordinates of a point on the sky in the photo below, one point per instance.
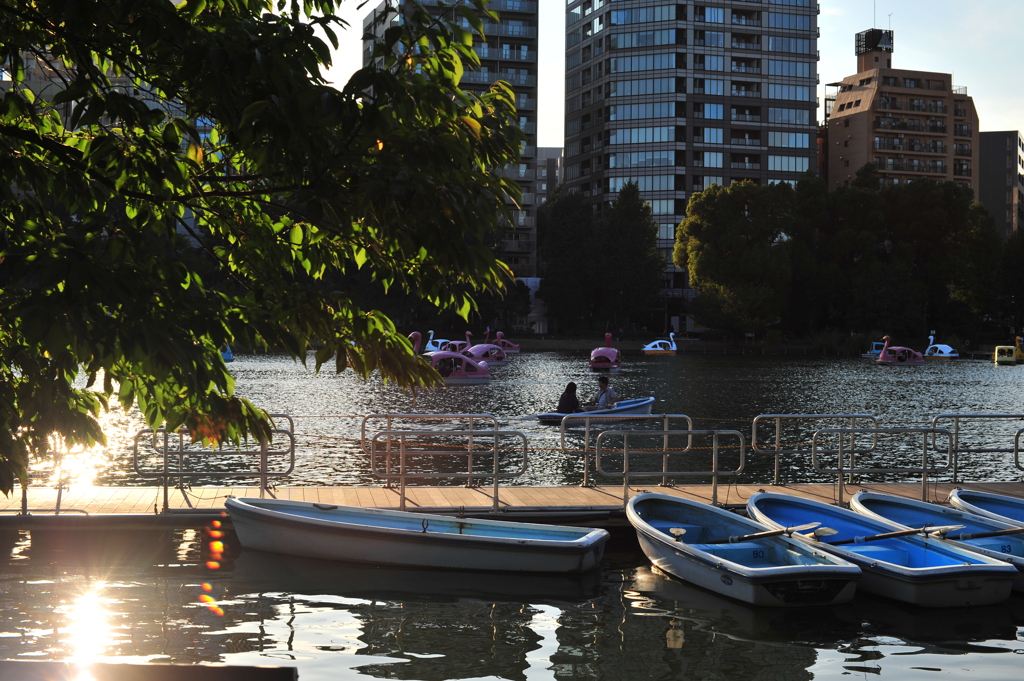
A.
x: 979, y: 42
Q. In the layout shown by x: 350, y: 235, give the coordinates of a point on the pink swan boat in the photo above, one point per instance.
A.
x: 894, y: 355
x: 485, y: 352
x: 459, y: 346
x: 455, y: 369
x: 508, y: 346
x: 606, y: 358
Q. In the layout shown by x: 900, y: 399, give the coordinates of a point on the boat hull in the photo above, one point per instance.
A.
x: 406, y: 539
x: 993, y: 506
x: 771, y: 571
x: 637, y: 407
x: 927, y: 572
x: 659, y: 352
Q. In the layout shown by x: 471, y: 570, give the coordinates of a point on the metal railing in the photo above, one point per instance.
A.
x: 627, y: 474
x: 777, y: 449
x: 957, y: 420
x: 413, y: 443
x: 180, y: 457
x: 840, y: 470
x: 1016, y: 450
x: 588, y: 419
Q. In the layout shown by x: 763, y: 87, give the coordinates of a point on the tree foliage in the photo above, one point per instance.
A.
x: 133, y: 247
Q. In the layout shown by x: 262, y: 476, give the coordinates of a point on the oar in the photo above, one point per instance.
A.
x: 788, y: 531
x: 897, y: 533
x: 985, y: 535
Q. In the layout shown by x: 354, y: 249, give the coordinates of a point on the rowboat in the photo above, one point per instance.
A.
x: 637, y: 407
x: 994, y: 506
x: 383, y: 537
x: 914, y: 568
x: 913, y: 513
x: 736, y: 557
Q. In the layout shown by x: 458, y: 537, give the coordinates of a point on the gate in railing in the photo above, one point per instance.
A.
x: 589, y: 420
x: 840, y: 470
x: 778, y: 449
x: 959, y: 420
x: 398, y: 454
x: 628, y: 472
x: 178, y: 457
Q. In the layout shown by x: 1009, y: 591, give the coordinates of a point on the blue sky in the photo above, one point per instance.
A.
x: 980, y: 42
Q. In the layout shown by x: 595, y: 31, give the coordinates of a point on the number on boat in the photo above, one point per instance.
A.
x: 758, y: 553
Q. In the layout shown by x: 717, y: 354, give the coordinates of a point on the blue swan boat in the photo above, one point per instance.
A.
x: 713, y: 548
x: 915, y: 568
x: 914, y: 513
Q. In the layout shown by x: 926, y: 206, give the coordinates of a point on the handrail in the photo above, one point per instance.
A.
x: 627, y: 474
x: 924, y: 470
x: 779, y: 418
x: 586, y: 418
x: 957, y: 418
x: 403, y: 475
x: 1016, y: 450
x: 391, y: 418
x: 166, y: 472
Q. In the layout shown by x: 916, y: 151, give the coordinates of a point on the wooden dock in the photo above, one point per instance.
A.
x: 140, y: 507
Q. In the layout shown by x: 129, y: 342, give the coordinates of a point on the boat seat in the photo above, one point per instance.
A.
x: 887, y: 554
x: 663, y: 526
x: 744, y: 552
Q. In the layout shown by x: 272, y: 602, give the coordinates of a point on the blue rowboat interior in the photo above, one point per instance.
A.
x: 1009, y: 509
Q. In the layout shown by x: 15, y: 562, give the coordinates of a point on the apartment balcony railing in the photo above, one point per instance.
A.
x: 526, y: 104
x: 960, y: 113
x: 509, y: 30
x: 745, y: 93
x: 529, y: 152
x: 962, y: 130
x: 517, y: 173
x: 743, y: 21
x: 745, y: 45
x: 518, y: 245
x: 700, y: 140
x: 740, y: 68
x: 889, y: 146
x: 961, y: 149
x: 514, y: 5
x: 745, y: 141
x: 506, y: 55
x: 938, y: 129
x: 492, y: 76
x: 961, y: 172
x: 746, y: 118
x: 890, y: 105
x: 745, y: 166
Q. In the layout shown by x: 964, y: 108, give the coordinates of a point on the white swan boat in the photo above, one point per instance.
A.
x: 661, y: 347
x: 383, y: 537
x: 736, y: 557
x: 939, y: 350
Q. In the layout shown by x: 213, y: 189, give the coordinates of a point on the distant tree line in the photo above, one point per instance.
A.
x: 901, y: 259
x: 601, y: 272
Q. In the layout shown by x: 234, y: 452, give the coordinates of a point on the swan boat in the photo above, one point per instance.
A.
x: 662, y: 347
x: 459, y: 346
x: 939, y: 350
x: 914, y: 513
x: 637, y: 407
x: 720, y: 551
x: 994, y: 506
x: 486, y: 352
x: 508, y: 346
x: 895, y: 355
x: 455, y: 368
x: 914, y: 568
x: 1009, y: 354
x: 434, y: 345
x: 605, y: 358
x: 875, y: 351
x: 383, y: 537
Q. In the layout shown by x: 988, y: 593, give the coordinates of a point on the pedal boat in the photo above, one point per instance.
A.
x: 895, y: 355
x: 915, y: 513
x: 606, y: 358
x: 508, y: 346
x: 435, y: 345
x: 915, y: 569
x: 993, y: 506
x: 939, y: 350
x: 875, y: 351
x: 455, y: 368
x: 766, y: 571
x: 637, y: 407
x: 661, y: 347
x: 384, y: 537
x: 486, y: 352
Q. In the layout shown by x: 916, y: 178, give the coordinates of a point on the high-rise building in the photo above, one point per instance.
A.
x: 676, y: 97
x: 910, y: 124
x: 1001, y: 175
x: 509, y: 54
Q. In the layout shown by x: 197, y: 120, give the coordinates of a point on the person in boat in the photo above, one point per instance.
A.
x: 606, y: 397
x: 568, y: 403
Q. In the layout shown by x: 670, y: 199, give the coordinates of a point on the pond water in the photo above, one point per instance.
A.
x: 716, y: 391
x: 136, y: 599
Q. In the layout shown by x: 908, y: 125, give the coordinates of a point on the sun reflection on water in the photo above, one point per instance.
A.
x: 88, y: 630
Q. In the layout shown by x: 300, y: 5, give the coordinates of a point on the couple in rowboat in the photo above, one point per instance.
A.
x: 606, y: 398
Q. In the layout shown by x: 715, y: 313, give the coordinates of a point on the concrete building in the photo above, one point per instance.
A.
x: 911, y: 124
x: 1001, y: 171
x: 509, y: 54
x: 676, y: 97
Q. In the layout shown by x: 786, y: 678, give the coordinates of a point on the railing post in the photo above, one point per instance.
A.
x: 714, y: 469
x: 469, y: 480
x: 924, y: 466
x: 401, y: 473
x: 956, y: 448
x: 778, y: 448
x: 263, y: 466
x: 586, y: 455
x: 497, y: 470
x: 664, y: 457
x: 167, y: 479
x: 625, y: 468
x: 840, y: 470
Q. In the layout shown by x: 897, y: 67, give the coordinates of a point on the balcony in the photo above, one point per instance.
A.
x: 962, y: 131
x: 514, y: 6
x: 518, y: 245
x: 745, y: 93
x: 961, y: 149
x: 960, y: 113
x: 489, y: 77
x: 745, y: 141
x: 889, y: 146
x: 526, y: 104
x: 744, y: 21
x: 745, y: 166
x: 491, y: 28
x: 517, y: 173
x: 486, y: 52
x: 745, y: 45
x: 961, y: 172
x: 742, y: 68
x: 746, y: 118
x: 889, y: 105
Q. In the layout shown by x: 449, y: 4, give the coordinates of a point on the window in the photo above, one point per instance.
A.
x: 789, y: 164
x: 625, y: 112
x: 713, y: 111
x: 663, y: 206
x: 890, y: 81
x: 708, y: 181
x: 647, y: 86
x: 713, y: 38
x: 792, y: 3
x: 711, y: 63
x: 642, y: 135
x: 572, y: 82
x: 911, y: 82
x: 796, y: 140
x: 643, y: 15
x: 572, y: 104
x: 800, y: 22
x: 573, y: 60
x: 712, y: 159
x: 641, y: 39
x: 780, y: 44
x: 711, y: 87
x: 642, y: 159
x: 797, y: 69
x: 641, y: 62
x: 572, y: 148
x: 797, y: 92
x: 791, y: 116
x: 709, y: 135
x: 711, y: 15
x: 647, y: 183
x: 572, y: 126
